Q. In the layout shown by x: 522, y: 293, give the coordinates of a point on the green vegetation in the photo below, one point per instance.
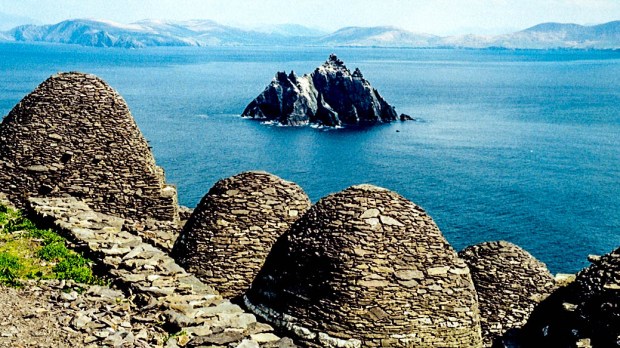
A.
x: 27, y: 252
x: 181, y: 336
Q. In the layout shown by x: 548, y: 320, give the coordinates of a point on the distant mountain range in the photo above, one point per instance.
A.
x: 102, y: 33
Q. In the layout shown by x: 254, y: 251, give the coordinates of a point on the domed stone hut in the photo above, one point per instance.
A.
x: 228, y: 236
x: 585, y: 313
x: 510, y: 283
x: 366, y: 267
x: 74, y: 135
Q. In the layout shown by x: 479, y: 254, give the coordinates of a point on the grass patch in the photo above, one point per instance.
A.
x: 27, y: 252
x: 9, y: 269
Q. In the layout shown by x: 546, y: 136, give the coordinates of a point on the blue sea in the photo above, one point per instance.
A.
x: 514, y: 145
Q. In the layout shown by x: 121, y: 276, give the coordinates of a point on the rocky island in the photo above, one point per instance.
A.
x: 330, y: 96
x: 255, y: 261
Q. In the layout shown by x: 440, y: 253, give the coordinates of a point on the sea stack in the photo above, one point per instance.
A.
x: 229, y: 234
x: 331, y: 96
x: 367, y: 268
x: 510, y: 283
x: 74, y: 135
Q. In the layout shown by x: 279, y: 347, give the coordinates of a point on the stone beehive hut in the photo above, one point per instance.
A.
x: 366, y: 267
x: 74, y: 135
x: 509, y: 281
x: 231, y: 231
x: 584, y: 313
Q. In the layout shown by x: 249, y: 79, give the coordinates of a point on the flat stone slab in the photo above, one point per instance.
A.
x: 180, y: 299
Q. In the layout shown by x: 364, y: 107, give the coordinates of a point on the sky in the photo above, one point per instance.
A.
x: 440, y: 17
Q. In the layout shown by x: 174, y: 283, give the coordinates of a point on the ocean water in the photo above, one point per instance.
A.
x: 515, y: 145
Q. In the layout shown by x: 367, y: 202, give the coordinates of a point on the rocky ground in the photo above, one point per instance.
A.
x: 31, y: 318
x: 153, y: 302
x: 54, y: 314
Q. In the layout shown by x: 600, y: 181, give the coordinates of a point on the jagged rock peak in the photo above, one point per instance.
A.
x: 329, y: 96
x: 333, y: 59
x: 293, y: 77
x: 334, y: 62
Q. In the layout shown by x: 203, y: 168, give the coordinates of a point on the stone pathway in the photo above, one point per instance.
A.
x: 166, y: 291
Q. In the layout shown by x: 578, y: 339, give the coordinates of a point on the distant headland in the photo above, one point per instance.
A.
x: 147, y: 33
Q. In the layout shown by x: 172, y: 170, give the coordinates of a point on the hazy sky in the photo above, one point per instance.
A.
x: 432, y: 16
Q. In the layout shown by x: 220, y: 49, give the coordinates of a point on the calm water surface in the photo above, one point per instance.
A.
x: 514, y: 145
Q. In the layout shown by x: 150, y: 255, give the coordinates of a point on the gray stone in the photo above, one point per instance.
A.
x: 330, y: 96
x: 226, y: 241
x: 509, y: 282
x: 60, y: 141
x: 331, y: 281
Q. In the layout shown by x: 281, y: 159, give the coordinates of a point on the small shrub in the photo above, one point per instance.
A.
x: 54, y: 251
x: 74, y: 267
x: 46, y: 236
x: 16, y: 222
x: 23, y: 255
x: 9, y: 268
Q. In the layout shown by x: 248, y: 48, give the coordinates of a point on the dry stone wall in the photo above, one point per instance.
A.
x: 228, y: 236
x: 366, y: 267
x: 363, y: 267
x: 585, y: 313
x: 74, y: 135
x: 168, y: 294
x: 510, y: 283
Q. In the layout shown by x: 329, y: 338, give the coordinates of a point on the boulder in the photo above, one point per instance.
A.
x: 330, y: 96
x: 405, y: 117
x: 366, y: 267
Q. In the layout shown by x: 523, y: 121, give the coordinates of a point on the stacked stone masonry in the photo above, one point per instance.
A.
x: 363, y: 267
x: 585, y: 313
x: 366, y: 267
x: 227, y: 238
x: 74, y: 136
x: 155, y: 279
x: 509, y: 282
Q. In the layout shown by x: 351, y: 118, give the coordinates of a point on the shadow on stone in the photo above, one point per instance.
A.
x: 366, y: 267
x: 585, y: 313
x: 229, y: 234
x: 510, y: 283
